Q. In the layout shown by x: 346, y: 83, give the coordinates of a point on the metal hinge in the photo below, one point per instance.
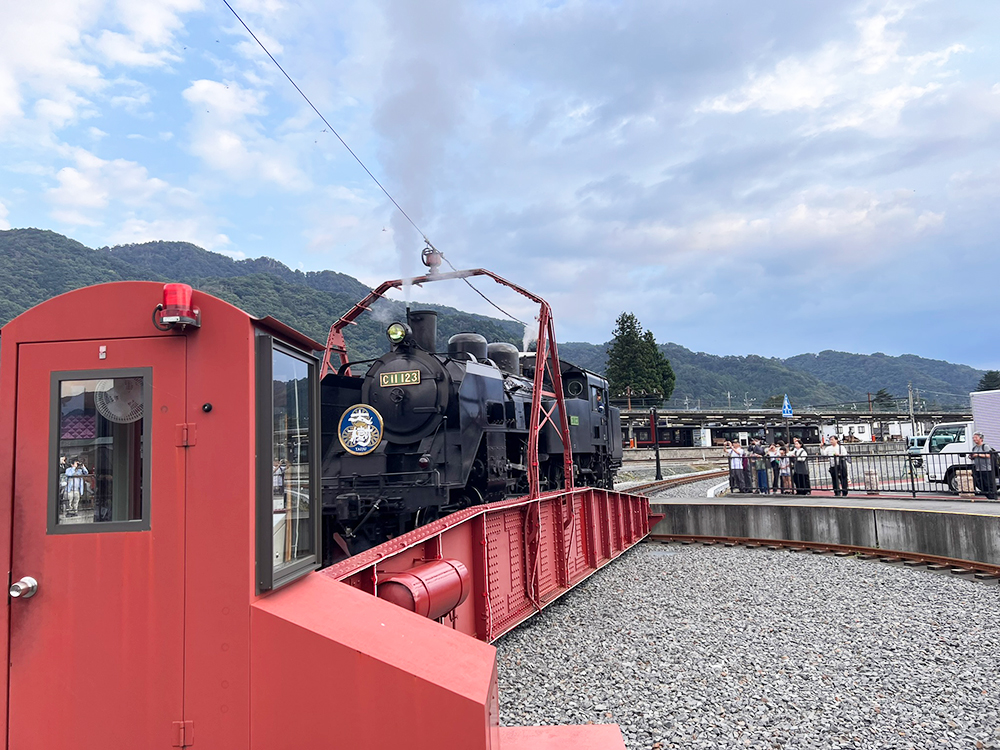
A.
x: 183, y: 733
x: 187, y: 434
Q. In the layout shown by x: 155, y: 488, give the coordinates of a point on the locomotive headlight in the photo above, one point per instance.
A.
x: 396, y: 332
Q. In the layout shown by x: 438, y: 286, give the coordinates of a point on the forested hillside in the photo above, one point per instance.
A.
x: 936, y: 380
x: 37, y: 264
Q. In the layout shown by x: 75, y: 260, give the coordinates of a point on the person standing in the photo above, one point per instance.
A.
x: 774, y: 458
x: 737, y: 479
x: 838, y: 466
x: 982, y: 467
x: 800, y: 468
x: 760, y: 466
x: 74, y: 485
x: 786, y: 473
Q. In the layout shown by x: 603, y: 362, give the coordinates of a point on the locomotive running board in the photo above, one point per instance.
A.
x: 396, y: 679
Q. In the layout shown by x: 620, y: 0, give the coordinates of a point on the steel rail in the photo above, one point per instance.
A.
x: 982, y: 570
x: 663, y: 484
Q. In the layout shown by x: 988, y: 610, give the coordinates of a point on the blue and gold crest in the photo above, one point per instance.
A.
x: 360, y: 429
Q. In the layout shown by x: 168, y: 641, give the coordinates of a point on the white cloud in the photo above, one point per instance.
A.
x: 225, y: 135
x: 93, y: 184
x: 4, y: 224
x: 864, y: 85
x: 199, y: 231
x: 54, y: 53
x: 121, y: 49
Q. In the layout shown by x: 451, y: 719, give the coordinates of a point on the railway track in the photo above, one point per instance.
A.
x: 981, y: 571
x: 651, y: 488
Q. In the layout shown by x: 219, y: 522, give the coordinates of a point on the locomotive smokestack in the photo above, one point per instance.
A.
x: 423, y: 323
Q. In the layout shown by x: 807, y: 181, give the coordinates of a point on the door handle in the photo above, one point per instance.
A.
x: 24, y: 589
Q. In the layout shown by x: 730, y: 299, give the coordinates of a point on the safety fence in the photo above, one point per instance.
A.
x: 893, y: 473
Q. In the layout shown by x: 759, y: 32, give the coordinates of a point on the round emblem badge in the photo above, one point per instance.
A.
x: 360, y: 429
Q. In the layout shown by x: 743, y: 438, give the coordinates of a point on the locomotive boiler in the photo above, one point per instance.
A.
x: 425, y: 432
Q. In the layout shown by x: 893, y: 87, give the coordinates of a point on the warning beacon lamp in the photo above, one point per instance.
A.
x: 176, y: 309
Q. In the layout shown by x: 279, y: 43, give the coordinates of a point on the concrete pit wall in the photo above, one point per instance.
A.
x: 956, y: 535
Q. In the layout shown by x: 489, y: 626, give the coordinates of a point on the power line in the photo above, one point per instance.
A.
x: 327, y: 122
x: 473, y: 288
x: 358, y: 160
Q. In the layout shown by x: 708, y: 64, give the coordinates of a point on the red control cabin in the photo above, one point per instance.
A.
x: 159, y: 492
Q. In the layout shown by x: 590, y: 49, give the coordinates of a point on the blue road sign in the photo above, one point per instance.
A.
x: 786, y: 408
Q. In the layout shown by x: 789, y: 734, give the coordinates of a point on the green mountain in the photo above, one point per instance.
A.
x: 37, y: 264
x: 933, y: 379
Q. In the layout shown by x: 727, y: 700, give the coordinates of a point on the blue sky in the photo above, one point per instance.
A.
x: 770, y: 178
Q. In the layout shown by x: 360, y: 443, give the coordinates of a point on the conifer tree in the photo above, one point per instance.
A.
x: 636, y: 362
x: 990, y: 381
x: 883, y: 399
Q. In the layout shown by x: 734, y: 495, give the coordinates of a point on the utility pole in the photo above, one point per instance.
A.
x: 870, y: 408
x: 656, y: 442
x: 729, y: 396
x: 913, y: 423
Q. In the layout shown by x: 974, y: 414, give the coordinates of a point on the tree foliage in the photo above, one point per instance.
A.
x: 635, y: 361
x: 882, y: 399
x: 990, y: 381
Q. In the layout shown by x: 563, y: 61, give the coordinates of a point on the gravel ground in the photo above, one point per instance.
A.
x: 713, y: 647
x: 695, y: 489
x: 636, y: 472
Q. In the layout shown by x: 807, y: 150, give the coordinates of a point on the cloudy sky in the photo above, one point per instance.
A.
x: 771, y: 177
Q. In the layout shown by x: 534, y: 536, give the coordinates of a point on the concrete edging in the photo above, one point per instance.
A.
x: 963, y: 536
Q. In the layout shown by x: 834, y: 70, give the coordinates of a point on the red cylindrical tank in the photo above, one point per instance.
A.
x: 432, y: 589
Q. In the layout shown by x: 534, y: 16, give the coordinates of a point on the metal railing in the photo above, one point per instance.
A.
x: 871, y: 473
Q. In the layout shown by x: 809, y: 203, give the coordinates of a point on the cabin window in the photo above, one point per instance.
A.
x: 99, y: 457
x: 288, y: 496
x: 943, y: 436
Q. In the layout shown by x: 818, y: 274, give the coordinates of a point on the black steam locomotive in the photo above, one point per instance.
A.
x: 423, y: 433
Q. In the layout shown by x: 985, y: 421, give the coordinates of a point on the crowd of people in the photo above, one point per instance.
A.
x: 774, y: 468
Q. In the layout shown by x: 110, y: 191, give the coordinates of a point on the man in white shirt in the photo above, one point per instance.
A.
x: 838, y: 465
x: 737, y: 477
x: 74, y: 485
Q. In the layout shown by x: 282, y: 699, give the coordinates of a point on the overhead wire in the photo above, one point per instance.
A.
x: 358, y: 160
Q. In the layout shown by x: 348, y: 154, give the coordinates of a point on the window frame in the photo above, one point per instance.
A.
x: 56, y: 378
x: 266, y: 344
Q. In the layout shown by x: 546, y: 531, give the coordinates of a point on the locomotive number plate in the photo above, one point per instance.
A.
x: 406, y: 377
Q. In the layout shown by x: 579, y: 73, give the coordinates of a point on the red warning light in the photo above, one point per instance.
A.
x: 176, y: 309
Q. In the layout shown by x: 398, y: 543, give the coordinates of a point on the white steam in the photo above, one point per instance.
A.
x: 530, y: 336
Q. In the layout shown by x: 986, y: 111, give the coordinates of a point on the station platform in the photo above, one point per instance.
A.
x: 940, y: 526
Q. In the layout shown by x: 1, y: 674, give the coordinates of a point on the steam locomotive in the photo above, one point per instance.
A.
x: 424, y: 433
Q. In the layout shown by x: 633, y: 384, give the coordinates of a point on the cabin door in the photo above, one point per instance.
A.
x: 97, y: 609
